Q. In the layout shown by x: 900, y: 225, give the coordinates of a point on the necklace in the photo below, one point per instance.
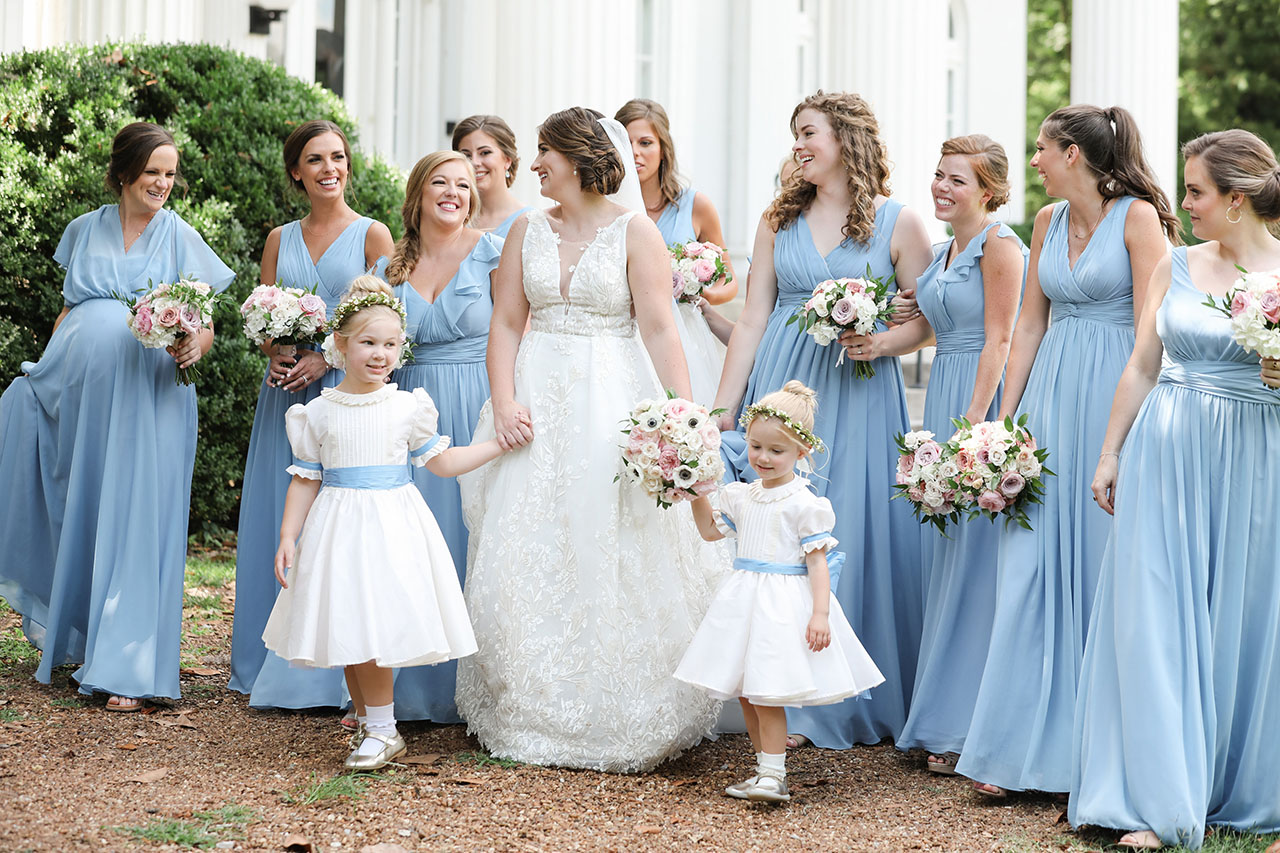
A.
x: 1080, y: 235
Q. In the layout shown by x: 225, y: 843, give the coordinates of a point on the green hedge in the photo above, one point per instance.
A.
x: 230, y: 114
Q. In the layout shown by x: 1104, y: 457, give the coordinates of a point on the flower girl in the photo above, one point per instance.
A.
x: 764, y: 635
x: 370, y: 583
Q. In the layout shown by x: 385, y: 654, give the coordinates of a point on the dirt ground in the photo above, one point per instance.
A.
x: 210, y: 772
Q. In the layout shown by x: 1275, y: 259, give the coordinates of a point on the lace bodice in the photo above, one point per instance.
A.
x: 599, y: 295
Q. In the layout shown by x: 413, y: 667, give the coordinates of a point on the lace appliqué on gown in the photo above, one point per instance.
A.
x: 583, y: 594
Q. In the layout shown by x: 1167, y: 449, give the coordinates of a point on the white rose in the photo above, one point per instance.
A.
x: 823, y: 334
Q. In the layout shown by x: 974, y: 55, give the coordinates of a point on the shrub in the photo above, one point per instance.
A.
x: 230, y: 114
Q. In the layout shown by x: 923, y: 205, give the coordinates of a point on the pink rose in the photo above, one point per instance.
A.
x: 142, y: 321
x: 916, y: 493
x: 668, y: 461
x: 692, y: 249
x: 1240, y: 303
x: 189, y: 319
x: 906, y: 463
x: 168, y: 317
x: 677, y: 284
x: 1269, y: 304
x: 635, y: 443
x: 964, y: 460
x: 843, y: 311
x: 991, y: 501
x: 268, y: 296
x: 311, y: 304
x: 704, y: 270
x: 856, y: 285
x: 1011, y: 484
x: 676, y: 408
x: 672, y: 495
x: 928, y: 453
x: 982, y: 456
x: 710, y: 436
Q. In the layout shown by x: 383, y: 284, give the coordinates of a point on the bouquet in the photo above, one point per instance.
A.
x: 845, y: 304
x: 990, y: 468
x: 694, y: 268
x: 167, y: 313
x: 288, y: 315
x: 672, y: 450
x: 1253, y: 305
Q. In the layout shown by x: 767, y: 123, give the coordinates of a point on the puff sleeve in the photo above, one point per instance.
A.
x: 305, y: 441
x: 731, y: 497
x: 814, y: 523
x: 424, y: 442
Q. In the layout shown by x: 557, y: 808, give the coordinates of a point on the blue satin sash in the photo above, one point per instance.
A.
x: 1116, y: 312
x: 1233, y: 380
x: 368, y: 477
x: 835, y: 562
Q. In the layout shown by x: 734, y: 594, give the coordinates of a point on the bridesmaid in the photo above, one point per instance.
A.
x: 1179, y: 698
x: 98, y: 441
x: 328, y: 247
x: 487, y: 141
x: 441, y: 271
x: 1091, y: 258
x: 834, y: 223
x: 682, y: 214
x: 969, y: 296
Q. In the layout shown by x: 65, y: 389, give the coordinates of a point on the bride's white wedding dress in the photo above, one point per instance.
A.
x: 583, y: 593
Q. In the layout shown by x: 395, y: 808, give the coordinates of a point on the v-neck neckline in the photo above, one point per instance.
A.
x: 302, y: 235
x: 1066, y: 227
x: 566, y: 289
x: 814, y: 243
x: 128, y: 250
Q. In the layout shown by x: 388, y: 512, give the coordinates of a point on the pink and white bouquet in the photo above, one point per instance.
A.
x: 992, y: 468
x: 1253, y: 304
x: 167, y: 313
x: 672, y: 450
x: 288, y: 315
x: 696, y: 267
x: 845, y: 304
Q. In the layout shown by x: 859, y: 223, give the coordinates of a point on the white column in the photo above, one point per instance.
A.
x: 995, y: 82
x: 371, y: 68
x: 894, y: 56
x: 419, y: 125
x: 1126, y: 54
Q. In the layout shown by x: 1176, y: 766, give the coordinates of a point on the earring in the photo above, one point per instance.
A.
x: 575, y: 171
x: 508, y: 174
x: 1239, y: 216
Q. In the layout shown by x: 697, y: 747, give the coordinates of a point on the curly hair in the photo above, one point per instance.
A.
x: 577, y: 134
x: 1112, y: 149
x: 990, y: 164
x: 866, y: 163
x: 638, y: 109
x: 409, y: 246
x: 497, y: 130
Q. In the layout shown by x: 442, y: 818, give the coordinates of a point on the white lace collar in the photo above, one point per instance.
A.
x: 342, y: 398
x: 760, y: 494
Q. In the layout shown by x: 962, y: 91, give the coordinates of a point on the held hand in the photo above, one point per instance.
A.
x: 860, y: 347
x: 1271, y: 372
x: 1104, y: 482
x: 284, y: 562
x: 309, y: 368
x: 904, y: 307
x: 818, y: 633
x: 186, y: 350
x: 278, y: 367
x: 513, y: 425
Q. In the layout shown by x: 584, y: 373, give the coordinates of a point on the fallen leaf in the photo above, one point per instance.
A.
x: 296, y: 843
x: 468, y: 780
x: 150, y: 776
x: 679, y: 783
x: 648, y: 830
x: 429, y: 758
x: 126, y: 746
x: 1062, y: 818
x: 198, y: 670
x: 180, y: 721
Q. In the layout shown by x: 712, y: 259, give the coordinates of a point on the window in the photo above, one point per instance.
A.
x: 645, y: 50
x: 330, y: 43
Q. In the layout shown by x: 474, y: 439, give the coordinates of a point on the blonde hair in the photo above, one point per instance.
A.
x: 350, y: 324
x: 409, y: 247
x: 797, y: 401
x: 990, y: 164
x: 863, y: 154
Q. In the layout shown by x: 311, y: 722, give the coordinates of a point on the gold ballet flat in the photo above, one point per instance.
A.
x: 393, y: 746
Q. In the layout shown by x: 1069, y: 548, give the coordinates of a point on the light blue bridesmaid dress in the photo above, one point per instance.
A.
x: 266, y: 481
x: 97, y: 444
x: 959, y: 572
x: 879, y: 588
x: 676, y: 220
x: 1179, y: 703
x: 505, y: 226
x: 703, y: 352
x: 1020, y: 736
x: 449, y: 339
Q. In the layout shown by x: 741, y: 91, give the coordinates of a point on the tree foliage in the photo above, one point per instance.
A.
x: 59, y: 110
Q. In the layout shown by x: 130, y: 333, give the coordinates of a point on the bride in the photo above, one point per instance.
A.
x: 582, y: 592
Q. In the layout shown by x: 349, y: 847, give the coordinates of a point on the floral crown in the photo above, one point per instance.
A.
x: 801, y: 431
x: 367, y: 300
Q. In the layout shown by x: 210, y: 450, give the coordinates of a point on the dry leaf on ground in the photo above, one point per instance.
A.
x: 296, y: 843
x: 150, y: 776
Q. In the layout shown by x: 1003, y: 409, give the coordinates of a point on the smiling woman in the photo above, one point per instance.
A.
x: 487, y: 141
x: 100, y: 431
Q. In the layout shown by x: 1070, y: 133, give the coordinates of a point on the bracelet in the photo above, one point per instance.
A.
x: 1108, y: 453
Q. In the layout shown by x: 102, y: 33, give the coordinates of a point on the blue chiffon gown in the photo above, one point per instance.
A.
x: 505, y: 225
x: 960, y: 572
x: 879, y: 588
x: 266, y: 481
x: 1020, y: 736
x: 1179, y: 701
x: 449, y: 339
x: 703, y: 352
x: 97, y: 445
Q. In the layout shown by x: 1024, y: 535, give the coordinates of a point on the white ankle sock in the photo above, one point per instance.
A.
x: 379, y: 719
x: 362, y: 719
x: 759, y: 762
x: 776, y: 763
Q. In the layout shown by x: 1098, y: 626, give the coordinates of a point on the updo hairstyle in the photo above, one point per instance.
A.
x: 495, y: 128
x: 1239, y: 162
x: 796, y: 400
x: 364, y: 285
x: 298, y: 140
x: 990, y: 164
x: 130, y: 151
x: 578, y: 135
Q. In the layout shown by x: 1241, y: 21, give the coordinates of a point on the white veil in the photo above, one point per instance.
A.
x: 628, y: 194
